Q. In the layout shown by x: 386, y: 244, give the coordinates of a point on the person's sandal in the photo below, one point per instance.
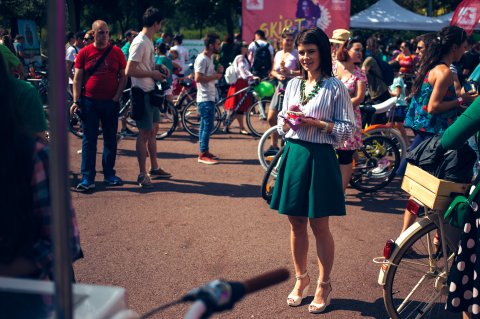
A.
x: 320, y: 307
x: 295, y: 300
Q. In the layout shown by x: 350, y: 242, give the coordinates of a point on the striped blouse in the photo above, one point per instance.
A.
x: 331, y: 104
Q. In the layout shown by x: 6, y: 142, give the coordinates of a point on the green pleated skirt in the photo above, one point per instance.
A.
x: 309, y: 182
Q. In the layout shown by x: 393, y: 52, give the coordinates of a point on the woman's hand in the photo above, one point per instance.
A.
x: 469, y: 97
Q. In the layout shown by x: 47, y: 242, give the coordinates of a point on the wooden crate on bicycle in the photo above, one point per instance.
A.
x: 430, y: 190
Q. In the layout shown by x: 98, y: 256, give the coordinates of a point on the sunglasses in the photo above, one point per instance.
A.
x: 88, y: 39
x: 420, y: 48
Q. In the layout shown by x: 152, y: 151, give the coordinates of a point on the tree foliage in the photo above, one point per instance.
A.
x: 223, y: 15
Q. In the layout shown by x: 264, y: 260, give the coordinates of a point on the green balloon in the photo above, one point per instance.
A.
x: 264, y: 89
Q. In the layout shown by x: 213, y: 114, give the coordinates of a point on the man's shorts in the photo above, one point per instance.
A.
x: 144, y: 114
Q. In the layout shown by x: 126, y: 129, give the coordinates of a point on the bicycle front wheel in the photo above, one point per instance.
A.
x: 416, y: 281
x: 191, y: 119
x: 270, y: 176
x: 168, y: 120
x: 375, y: 164
x: 256, y: 117
x: 265, y: 151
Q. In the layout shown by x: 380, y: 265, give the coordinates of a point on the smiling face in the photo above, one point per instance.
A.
x: 309, y: 57
x: 287, y: 43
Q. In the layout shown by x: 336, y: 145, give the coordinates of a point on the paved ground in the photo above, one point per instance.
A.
x: 209, y: 222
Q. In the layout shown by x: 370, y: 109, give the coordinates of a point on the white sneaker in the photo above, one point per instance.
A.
x: 382, y: 165
x: 144, y: 181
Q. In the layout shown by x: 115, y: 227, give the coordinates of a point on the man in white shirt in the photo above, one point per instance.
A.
x: 141, y: 69
x: 206, y: 76
x: 70, y: 55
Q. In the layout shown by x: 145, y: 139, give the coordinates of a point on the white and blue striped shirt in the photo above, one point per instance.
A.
x: 331, y: 104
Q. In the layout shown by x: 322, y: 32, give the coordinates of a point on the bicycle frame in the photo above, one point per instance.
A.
x: 227, y: 118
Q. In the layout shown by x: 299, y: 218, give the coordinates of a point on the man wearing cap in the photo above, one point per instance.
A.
x: 129, y: 36
x: 339, y: 36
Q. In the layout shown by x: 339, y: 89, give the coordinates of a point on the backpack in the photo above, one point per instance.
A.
x: 262, y: 60
x: 231, y: 74
x: 387, y: 71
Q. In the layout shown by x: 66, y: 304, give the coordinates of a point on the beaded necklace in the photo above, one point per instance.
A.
x: 305, y: 99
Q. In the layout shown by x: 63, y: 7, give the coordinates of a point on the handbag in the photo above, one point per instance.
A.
x: 157, y: 97
x: 459, y: 209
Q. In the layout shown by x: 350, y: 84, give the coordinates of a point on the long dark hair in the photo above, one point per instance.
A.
x: 320, y: 39
x: 16, y: 172
x: 439, y: 46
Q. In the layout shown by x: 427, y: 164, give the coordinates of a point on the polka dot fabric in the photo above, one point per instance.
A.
x: 464, y: 283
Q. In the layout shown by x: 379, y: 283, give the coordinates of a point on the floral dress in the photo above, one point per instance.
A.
x: 355, y: 142
x: 418, y: 117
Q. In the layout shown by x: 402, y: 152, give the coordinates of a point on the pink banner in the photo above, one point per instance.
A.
x: 272, y: 16
x: 466, y: 15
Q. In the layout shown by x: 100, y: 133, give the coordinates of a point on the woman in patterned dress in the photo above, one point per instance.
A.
x: 308, y: 188
x: 347, y: 70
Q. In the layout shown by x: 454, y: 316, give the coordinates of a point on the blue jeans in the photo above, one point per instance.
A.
x: 93, y: 112
x: 207, y: 115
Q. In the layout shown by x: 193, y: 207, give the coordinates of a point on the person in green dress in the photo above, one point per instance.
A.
x: 308, y: 188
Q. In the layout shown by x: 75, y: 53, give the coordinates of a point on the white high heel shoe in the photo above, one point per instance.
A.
x: 295, y: 300
x: 320, y: 307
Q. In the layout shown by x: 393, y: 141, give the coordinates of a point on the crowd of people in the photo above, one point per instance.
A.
x: 320, y: 80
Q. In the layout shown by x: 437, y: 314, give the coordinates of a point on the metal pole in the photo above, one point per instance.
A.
x: 429, y: 8
x: 59, y: 189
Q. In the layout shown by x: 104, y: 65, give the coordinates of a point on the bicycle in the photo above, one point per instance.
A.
x: 256, y: 116
x: 374, y: 164
x: 387, y: 129
x: 415, y: 267
x: 167, y: 124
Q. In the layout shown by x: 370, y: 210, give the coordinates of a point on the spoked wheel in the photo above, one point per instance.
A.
x: 168, y: 120
x: 394, y: 135
x: 191, y: 119
x: 268, y: 182
x: 375, y: 164
x: 265, y: 151
x: 416, y: 282
x: 256, y: 117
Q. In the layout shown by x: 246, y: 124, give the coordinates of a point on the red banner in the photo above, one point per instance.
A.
x: 466, y: 15
x: 272, y: 16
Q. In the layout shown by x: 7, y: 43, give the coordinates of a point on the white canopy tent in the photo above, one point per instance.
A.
x: 386, y: 14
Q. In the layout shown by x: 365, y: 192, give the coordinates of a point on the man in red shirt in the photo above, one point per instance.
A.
x: 100, y: 68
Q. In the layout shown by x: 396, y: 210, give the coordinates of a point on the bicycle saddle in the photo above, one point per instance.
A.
x: 385, y: 106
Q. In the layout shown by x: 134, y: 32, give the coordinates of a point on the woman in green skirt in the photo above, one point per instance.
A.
x: 316, y: 116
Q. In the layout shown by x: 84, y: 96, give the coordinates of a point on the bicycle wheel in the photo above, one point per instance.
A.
x: 268, y: 181
x: 256, y: 117
x: 394, y: 135
x: 75, y: 125
x: 191, y: 119
x: 168, y: 120
x: 416, y: 281
x: 375, y: 164
x: 264, y: 152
